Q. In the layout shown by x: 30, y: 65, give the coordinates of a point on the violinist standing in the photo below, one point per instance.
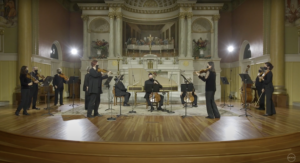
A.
x: 25, y: 91
x: 95, y: 89
x: 86, y: 88
x: 268, y: 88
x: 34, y: 88
x: 210, y: 89
x: 58, y: 83
x: 259, y: 86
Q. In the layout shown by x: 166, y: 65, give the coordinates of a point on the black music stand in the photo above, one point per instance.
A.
x: 46, y: 84
x: 108, y: 80
x: 225, y: 82
x: 186, y: 88
x: 247, y: 80
x: 73, y: 80
x: 151, y: 88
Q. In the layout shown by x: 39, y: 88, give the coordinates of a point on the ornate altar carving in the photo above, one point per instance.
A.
x: 99, y: 25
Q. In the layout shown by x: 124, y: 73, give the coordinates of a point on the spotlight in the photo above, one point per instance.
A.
x: 230, y: 48
x: 74, y: 51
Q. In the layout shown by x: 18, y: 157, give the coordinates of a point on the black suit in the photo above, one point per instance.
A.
x: 33, y: 91
x: 148, y: 93
x: 120, y: 90
x: 25, y: 93
x: 85, y: 89
x: 259, y: 87
x: 59, y: 83
x: 269, y: 89
x: 183, y: 96
x: 95, y: 89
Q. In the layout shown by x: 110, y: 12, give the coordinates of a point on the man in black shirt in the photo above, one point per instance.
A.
x: 34, y: 88
x: 120, y: 90
x: 86, y: 87
x: 152, y: 81
x: 58, y: 83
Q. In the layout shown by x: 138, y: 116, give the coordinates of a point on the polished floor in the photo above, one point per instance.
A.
x: 137, y: 128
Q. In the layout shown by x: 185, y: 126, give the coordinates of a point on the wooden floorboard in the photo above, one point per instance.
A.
x: 150, y: 128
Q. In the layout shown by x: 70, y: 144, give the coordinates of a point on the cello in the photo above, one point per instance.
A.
x: 248, y: 90
x: 189, y: 95
x: 154, y: 96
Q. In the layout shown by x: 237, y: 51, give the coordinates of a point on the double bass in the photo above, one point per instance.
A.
x: 248, y: 90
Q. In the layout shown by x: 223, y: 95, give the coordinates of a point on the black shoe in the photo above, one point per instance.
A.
x: 55, y: 104
x: 267, y: 115
x: 61, y: 104
x: 17, y: 114
x: 126, y: 105
x: 36, y: 108
x: 98, y: 115
x: 90, y: 116
x: 195, y: 106
x: 209, y: 117
x: 217, y: 117
x: 152, y: 108
x: 26, y: 114
x: 159, y: 108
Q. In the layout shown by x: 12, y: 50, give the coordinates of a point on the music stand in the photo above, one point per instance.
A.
x: 108, y: 80
x: 225, y: 82
x: 73, y: 80
x: 46, y: 84
x: 186, y: 88
x: 247, y: 80
x: 151, y: 88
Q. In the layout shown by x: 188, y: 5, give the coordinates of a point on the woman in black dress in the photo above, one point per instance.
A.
x: 210, y: 89
x: 268, y: 88
x: 25, y: 91
x: 259, y: 86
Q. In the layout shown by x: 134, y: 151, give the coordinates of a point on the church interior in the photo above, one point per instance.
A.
x: 183, y: 81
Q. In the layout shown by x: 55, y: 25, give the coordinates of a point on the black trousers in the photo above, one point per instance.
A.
x: 25, y: 94
x: 262, y: 98
x: 161, y: 102
x: 94, y: 103
x: 211, y: 107
x: 60, y: 92
x: 183, y: 96
x: 127, y: 96
x: 269, y: 101
x: 33, y: 96
x: 87, y: 99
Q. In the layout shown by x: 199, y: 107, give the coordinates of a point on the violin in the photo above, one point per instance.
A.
x: 203, y: 71
x: 260, y: 75
x: 103, y: 71
x: 63, y: 76
x: 264, y: 74
x: 29, y: 76
x: 40, y: 76
x: 154, y: 96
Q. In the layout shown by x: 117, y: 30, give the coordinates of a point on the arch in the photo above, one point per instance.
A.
x: 207, y: 24
x: 59, y: 51
x: 242, y: 49
x: 99, y: 25
x: 56, y: 63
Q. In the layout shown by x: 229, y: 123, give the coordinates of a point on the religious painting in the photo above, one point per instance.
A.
x: 8, y: 13
x: 292, y: 12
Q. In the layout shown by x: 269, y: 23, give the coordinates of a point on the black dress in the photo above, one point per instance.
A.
x: 259, y: 87
x: 269, y: 89
x: 85, y: 89
x: 25, y: 94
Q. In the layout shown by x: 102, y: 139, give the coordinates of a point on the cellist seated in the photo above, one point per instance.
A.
x: 183, y: 94
x: 147, y: 95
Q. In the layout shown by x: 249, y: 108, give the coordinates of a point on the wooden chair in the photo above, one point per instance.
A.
x: 115, y: 97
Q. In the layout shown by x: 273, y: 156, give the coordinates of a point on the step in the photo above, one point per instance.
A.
x: 296, y: 103
x: 4, y: 103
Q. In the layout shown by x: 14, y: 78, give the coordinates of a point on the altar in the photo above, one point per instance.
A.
x: 172, y: 38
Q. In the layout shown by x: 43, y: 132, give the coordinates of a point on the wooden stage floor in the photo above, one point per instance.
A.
x: 137, y: 128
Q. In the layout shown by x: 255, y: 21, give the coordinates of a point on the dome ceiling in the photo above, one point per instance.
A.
x: 150, y: 3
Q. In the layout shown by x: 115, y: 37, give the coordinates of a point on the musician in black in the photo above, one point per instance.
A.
x: 120, y: 90
x: 95, y: 89
x: 58, y: 83
x: 86, y: 87
x: 268, y: 88
x: 25, y: 91
x: 34, y: 88
x: 259, y: 86
x: 210, y: 89
x: 152, y: 81
x: 183, y: 94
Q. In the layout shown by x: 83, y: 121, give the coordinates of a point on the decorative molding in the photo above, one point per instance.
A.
x: 41, y: 59
x: 216, y: 17
x: 207, y: 7
x: 1, y: 31
x: 8, y: 57
x: 94, y: 7
x: 151, y: 11
x: 103, y: 28
x: 292, y: 57
x: 199, y: 31
x: 85, y: 17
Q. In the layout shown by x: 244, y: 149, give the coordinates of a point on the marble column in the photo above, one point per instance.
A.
x: 277, y: 45
x: 85, y: 36
x: 189, y: 35
x: 216, y: 19
x: 182, y: 35
x: 24, y: 35
x: 111, y: 35
x: 118, y: 41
